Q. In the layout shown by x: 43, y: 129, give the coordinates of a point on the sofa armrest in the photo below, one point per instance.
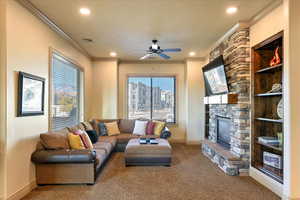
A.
x: 166, y: 133
x: 63, y: 156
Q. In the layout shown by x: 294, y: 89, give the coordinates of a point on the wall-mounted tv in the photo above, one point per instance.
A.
x: 215, y: 77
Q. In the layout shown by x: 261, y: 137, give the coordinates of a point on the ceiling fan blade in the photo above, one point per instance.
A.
x: 145, y: 57
x: 172, y: 50
x: 164, y: 56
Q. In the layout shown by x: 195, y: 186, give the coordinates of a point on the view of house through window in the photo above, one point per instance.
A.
x: 152, y: 98
x: 65, y: 108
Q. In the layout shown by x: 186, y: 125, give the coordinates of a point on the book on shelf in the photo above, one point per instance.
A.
x: 269, y: 140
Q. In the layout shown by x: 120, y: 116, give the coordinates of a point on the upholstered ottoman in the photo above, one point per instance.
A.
x: 148, y: 154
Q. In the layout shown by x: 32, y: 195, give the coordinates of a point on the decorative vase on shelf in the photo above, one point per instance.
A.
x: 280, y: 109
x: 276, y: 58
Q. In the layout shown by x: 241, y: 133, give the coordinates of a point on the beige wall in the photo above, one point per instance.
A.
x: 2, y: 94
x: 28, y: 42
x: 195, y: 109
x: 105, y: 89
x: 269, y: 25
x: 177, y: 69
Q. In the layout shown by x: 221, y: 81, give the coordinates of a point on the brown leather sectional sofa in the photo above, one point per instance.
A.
x: 65, y: 166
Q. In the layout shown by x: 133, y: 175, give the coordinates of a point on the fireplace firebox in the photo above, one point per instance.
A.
x: 223, y: 131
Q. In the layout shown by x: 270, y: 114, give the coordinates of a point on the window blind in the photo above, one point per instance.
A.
x: 65, y: 108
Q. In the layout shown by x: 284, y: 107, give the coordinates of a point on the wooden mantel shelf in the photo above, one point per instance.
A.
x: 221, y: 99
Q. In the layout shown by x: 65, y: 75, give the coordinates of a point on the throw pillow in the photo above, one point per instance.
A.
x: 54, y: 140
x: 75, y: 141
x: 93, y: 135
x: 87, y: 126
x: 150, y: 128
x: 159, y: 126
x: 85, y: 139
x: 112, y: 128
x: 126, y: 125
x: 102, y: 129
x: 140, y: 127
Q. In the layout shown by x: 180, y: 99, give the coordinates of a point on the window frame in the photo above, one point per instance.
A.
x: 81, y: 81
x: 151, y: 99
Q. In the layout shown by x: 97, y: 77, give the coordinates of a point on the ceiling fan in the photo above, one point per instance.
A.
x: 155, y: 50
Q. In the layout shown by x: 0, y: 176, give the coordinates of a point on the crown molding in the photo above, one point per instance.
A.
x: 152, y: 62
x: 94, y: 59
x: 44, y: 18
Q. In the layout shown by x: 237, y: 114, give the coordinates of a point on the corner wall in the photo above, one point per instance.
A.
x: 105, y: 90
x: 195, y: 109
x: 2, y: 95
x: 28, y: 43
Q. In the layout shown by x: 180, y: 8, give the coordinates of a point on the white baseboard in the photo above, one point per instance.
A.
x: 23, y: 192
x: 268, y: 182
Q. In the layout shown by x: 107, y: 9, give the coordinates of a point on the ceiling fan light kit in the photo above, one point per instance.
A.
x: 155, y: 50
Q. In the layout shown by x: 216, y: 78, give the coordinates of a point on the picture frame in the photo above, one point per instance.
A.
x: 31, y: 92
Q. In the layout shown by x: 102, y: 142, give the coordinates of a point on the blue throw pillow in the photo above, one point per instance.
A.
x: 102, y: 129
x: 93, y: 135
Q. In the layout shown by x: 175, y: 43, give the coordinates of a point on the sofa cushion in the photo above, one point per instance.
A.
x: 55, y: 140
x: 112, y: 128
x: 93, y: 135
x: 101, y: 156
x: 125, y: 137
x: 108, y: 147
x: 126, y: 125
x: 110, y: 139
x: 75, y: 128
x: 140, y: 127
x: 85, y: 139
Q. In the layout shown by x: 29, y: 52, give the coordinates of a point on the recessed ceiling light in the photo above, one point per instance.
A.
x: 192, y: 53
x: 231, y: 10
x: 113, y: 54
x: 85, y: 11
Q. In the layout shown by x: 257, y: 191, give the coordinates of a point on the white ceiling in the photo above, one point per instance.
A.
x: 128, y: 26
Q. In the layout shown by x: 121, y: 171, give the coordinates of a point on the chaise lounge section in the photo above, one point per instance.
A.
x: 67, y: 166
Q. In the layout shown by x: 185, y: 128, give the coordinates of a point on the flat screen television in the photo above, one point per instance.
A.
x: 215, y: 77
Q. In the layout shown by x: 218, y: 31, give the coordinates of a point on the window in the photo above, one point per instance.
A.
x: 152, y: 98
x: 65, y: 94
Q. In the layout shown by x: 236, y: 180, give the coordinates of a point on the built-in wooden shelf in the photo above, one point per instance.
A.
x: 275, y: 147
x: 270, y: 69
x: 221, y: 99
x: 276, y: 174
x: 264, y: 117
x: 269, y: 120
x: 269, y: 94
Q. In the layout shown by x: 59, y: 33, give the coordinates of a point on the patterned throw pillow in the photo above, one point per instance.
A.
x: 75, y: 141
x: 150, y: 128
x: 87, y: 125
x: 140, y: 127
x: 159, y: 126
x: 102, y: 129
x: 112, y: 128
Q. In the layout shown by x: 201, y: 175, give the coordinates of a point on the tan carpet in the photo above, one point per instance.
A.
x: 191, y: 177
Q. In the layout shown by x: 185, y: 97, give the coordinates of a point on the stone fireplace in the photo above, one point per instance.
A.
x: 231, y: 150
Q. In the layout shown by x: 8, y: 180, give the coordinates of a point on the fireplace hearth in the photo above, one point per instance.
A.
x: 223, y: 131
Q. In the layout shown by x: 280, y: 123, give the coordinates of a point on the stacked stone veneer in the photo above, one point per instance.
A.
x: 236, y: 52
